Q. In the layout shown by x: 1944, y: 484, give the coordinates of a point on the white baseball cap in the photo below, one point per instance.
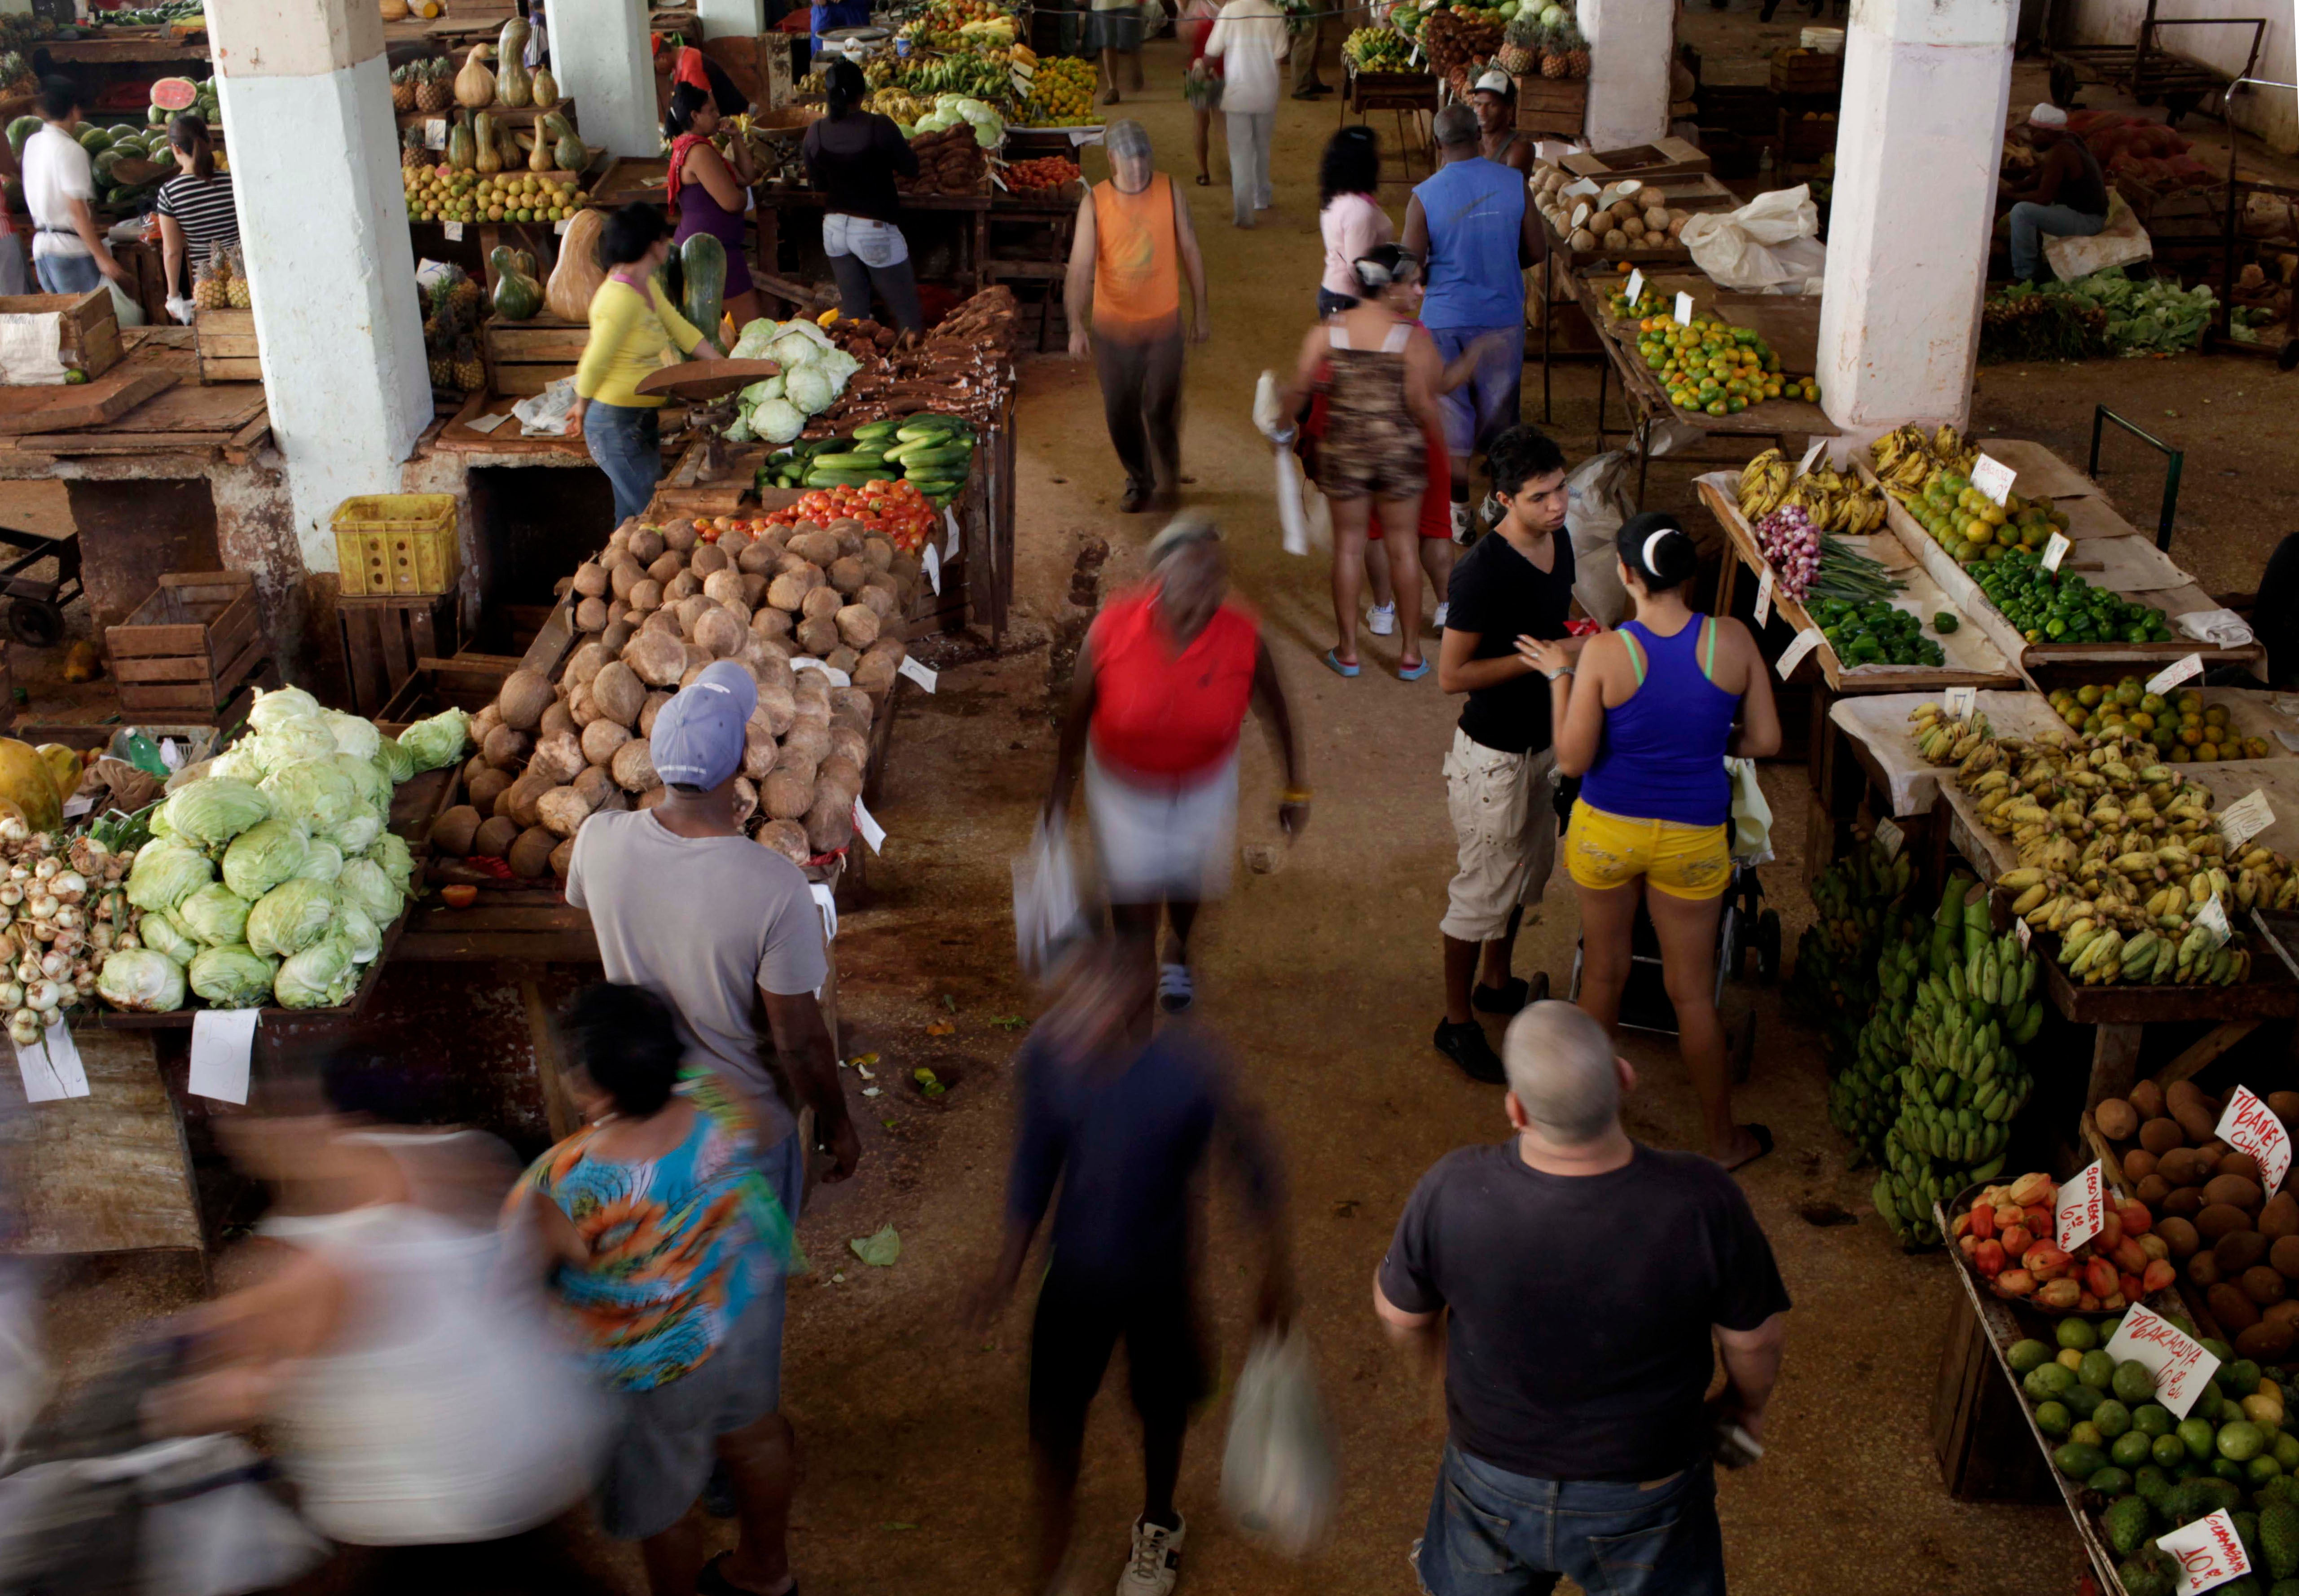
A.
x: 2047, y: 115
x: 1494, y: 82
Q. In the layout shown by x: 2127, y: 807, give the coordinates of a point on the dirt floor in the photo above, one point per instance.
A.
x: 1321, y: 973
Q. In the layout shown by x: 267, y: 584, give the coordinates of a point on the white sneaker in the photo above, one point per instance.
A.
x: 1157, y: 1562
x: 1380, y: 621
x: 1439, y: 616
x: 1175, y: 991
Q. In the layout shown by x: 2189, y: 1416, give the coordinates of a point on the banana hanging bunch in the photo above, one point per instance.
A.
x: 1944, y: 741
x: 1905, y: 458
x: 1863, y: 1097
x: 1854, y: 898
x: 1836, y: 503
x: 1764, y: 485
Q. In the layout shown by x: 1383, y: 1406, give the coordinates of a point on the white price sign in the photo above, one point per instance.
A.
x: 2026, y: 932
x: 2245, y: 818
x: 1636, y: 287
x: 1811, y: 454
x: 51, y: 1067
x: 828, y: 904
x: 1764, y: 599
x: 918, y: 673
x: 454, y: 231
x: 1960, y: 702
x: 1993, y: 478
x: 1793, y: 654
x: 2082, y: 1207
x: 2212, y: 918
x: 2208, y: 1551
x: 949, y: 520
x: 1894, y: 839
x: 872, y: 832
x: 223, y: 1041
x: 2250, y: 1126
x: 931, y: 557
x: 1684, y: 308
x: 2176, y: 672
x: 2056, y: 551
x: 2180, y: 1365
x: 434, y: 133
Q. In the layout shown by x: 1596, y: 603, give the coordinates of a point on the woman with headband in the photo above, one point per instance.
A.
x: 709, y: 192
x: 1648, y: 721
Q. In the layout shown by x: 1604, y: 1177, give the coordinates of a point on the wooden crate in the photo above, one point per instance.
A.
x: 1806, y: 136
x: 1806, y: 72
x: 384, y: 636
x: 89, y: 331
x: 225, y: 341
x: 526, y: 357
x: 185, y: 647
x: 1552, y: 104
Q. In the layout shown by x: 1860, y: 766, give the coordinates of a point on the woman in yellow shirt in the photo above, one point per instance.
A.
x: 633, y: 326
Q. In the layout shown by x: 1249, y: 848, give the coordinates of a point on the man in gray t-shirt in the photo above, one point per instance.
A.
x: 724, y: 931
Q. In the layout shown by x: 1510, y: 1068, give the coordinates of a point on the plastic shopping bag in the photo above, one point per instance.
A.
x: 1752, y: 816
x: 1596, y: 504
x: 1281, y: 1479
x: 1046, y: 909
x: 1270, y: 421
x: 1770, y: 245
x: 1292, y: 519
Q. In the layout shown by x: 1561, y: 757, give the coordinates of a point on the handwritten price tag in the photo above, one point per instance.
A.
x: 1993, y: 478
x: 2212, y: 918
x: 918, y: 673
x: 2025, y: 931
x: 454, y: 231
x: 1811, y: 454
x: 828, y: 905
x: 1636, y: 285
x: 434, y: 133
x: 874, y: 835
x: 2245, y: 818
x: 1793, y: 654
x: 2176, y: 672
x: 1683, y: 310
x: 51, y: 1068
x: 223, y: 1044
x: 2209, y: 1553
x: 931, y: 558
x: 1894, y: 839
x: 1960, y: 701
x: 1765, y: 600
x: 2179, y: 1364
x: 2083, y: 1205
x: 2056, y: 551
x: 2250, y: 1126
x: 949, y: 520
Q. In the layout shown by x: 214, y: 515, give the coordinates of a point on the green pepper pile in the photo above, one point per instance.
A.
x: 1874, y: 633
x: 2061, y: 607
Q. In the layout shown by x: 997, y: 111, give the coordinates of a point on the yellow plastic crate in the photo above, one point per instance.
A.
x: 390, y: 544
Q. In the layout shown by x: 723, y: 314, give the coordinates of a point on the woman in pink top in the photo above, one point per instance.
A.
x: 1349, y: 213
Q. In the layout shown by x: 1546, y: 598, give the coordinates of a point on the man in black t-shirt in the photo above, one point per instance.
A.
x: 1571, y: 1280
x: 1500, y: 777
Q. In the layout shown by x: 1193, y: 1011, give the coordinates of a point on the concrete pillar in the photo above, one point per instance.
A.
x: 725, y: 18
x: 1631, y: 44
x: 1917, y: 148
x: 331, y: 271
x: 599, y: 49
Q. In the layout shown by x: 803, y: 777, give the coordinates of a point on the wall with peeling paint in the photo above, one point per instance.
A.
x: 2270, y: 114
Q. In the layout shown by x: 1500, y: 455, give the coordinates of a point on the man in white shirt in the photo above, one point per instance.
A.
x: 1249, y: 39
x: 69, y: 254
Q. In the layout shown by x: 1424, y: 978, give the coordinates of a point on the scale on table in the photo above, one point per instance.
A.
x: 707, y: 388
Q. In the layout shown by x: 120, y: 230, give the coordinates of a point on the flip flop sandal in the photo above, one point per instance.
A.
x: 1415, y: 671
x: 1334, y: 664
x: 710, y: 1582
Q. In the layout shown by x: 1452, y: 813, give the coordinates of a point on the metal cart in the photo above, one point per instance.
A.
x: 2149, y: 72
x: 36, y: 617
x: 1747, y: 932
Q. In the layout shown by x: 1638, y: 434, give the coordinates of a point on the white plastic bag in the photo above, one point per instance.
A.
x: 1771, y: 243
x: 1281, y: 1479
x: 544, y: 414
x: 1270, y: 421
x: 1292, y: 521
x: 1596, y: 504
x: 1752, y: 815
x: 1046, y: 909
x: 2122, y: 242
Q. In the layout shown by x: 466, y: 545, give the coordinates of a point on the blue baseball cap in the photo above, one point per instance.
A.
x: 698, y: 737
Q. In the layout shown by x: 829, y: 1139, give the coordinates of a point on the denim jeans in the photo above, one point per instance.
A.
x: 2030, y: 220
x: 625, y: 443
x: 66, y: 274
x: 1495, y: 1534
x: 1491, y: 401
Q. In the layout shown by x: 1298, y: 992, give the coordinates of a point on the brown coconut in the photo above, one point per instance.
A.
x: 519, y: 798
x: 485, y: 788
x: 617, y: 633
x: 719, y: 632
x: 786, y: 794
x: 777, y: 707
x: 842, y: 774
x: 563, y: 810
x: 806, y: 739
x: 618, y: 693
x: 633, y: 767
x: 788, y: 590
x: 857, y: 626
x: 707, y: 558
x: 596, y: 786
x: 759, y: 558
x: 681, y: 534
x: 647, y: 544
x: 562, y: 858
x: 524, y: 695
x: 842, y: 659
x: 830, y: 824
x: 820, y: 604
x: 495, y: 837
x: 658, y: 658
x: 847, y: 743
x: 624, y: 575
x: 877, y: 553
x: 758, y: 751
x: 746, y: 800
x: 818, y: 636
x: 691, y: 609
x: 847, y: 573
x: 724, y: 587
x: 505, y: 748
x: 647, y: 595
x: 591, y: 579
x: 787, y: 838
x: 530, y: 856
x: 558, y: 718
x: 581, y: 709
x: 815, y: 548
x: 602, y: 737
x: 558, y: 757
x: 880, y: 599
x: 772, y: 622
x: 681, y: 587
x: 666, y: 566
x: 655, y: 701
x: 591, y: 615
x: 452, y: 832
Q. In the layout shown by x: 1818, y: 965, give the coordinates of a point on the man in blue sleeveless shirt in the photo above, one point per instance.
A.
x: 1474, y: 232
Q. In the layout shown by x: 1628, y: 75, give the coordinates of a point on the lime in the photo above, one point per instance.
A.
x: 2078, y: 1335
x: 2132, y: 1449
x: 2132, y: 1383
x: 2241, y: 1440
x: 2172, y: 1452
x: 2153, y: 1419
x: 2055, y: 1420
x: 2229, y: 1470
x: 2261, y: 1469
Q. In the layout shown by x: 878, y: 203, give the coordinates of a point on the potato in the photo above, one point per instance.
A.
x: 485, y: 788
x: 2265, y: 1342
x: 563, y: 810
x: 506, y: 749
x: 2239, y: 1250
x: 2147, y: 1097
x: 2236, y: 1312
x: 2283, y: 1256
x: 602, y: 738
x: 2263, y: 1285
x: 452, y: 832
x: 2233, y: 1191
x: 2281, y: 1217
x: 787, y: 838
x: 2160, y: 1136
x: 2218, y: 1218
x: 2138, y: 1164
x: 2180, y: 1237
x: 495, y: 837
x: 530, y: 856
x: 2117, y: 1120
x: 559, y: 758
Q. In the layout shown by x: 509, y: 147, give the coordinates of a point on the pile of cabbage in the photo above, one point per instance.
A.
x: 950, y: 109
x: 814, y: 373
x: 269, y: 878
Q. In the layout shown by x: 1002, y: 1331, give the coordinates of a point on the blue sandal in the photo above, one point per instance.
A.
x: 1414, y: 673
x: 1333, y: 663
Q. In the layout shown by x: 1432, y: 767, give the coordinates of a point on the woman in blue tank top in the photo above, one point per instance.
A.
x: 1648, y: 721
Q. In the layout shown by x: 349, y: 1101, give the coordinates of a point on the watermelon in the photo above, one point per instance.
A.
x: 20, y: 133
x: 172, y: 95
x: 95, y: 140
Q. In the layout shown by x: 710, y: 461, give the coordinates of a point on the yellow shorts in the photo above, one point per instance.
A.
x: 1684, y: 861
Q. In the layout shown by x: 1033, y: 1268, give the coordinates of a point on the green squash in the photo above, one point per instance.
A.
x: 555, y: 126
x: 513, y: 86
x: 462, y: 148
x: 544, y: 89
x: 518, y: 297
x: 702, y: 262
x: 571, y: 153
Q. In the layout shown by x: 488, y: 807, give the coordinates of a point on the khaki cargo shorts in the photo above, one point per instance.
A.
x: 1505, y: 825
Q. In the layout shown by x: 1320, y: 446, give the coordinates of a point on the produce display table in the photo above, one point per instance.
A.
x: 1400, y: 94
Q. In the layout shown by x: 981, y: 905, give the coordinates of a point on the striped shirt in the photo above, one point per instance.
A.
x: 203, y: 207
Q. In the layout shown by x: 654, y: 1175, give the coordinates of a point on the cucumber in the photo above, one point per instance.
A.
x: 923, y: 460
x: 920, y: 429
x: 847, y: 462
x: 877, y: 431
x: 828, y: 478
x: 957, y: 448
x: 931, y: 486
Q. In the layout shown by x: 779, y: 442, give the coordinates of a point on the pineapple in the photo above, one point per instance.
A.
x: 1552, y: 52
x: 1520, y: 52
x: 469, y: 375
x: 412, y: 155
x: 402, y: 87
x: 212, y: 291
x: 1576, y: 51
x: 443, y: 371
x: 432, y: 88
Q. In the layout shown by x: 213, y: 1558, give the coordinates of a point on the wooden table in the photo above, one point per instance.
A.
x: 774, y: 204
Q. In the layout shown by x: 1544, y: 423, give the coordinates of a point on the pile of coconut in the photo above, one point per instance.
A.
x: 658, y: 605
x: 1620, y: 216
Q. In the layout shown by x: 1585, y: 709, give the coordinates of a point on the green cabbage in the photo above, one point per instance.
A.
x: 438, y: 741
x: 167, y: 873
x: 391, y: 851
x: 809, y: 388
x: 366, y: 883
x: 215, y: 811
x: 264, y: 856
x: 291, y: 916
x: 162, y: 832
x: 794, y: 351
x: 366, y: 779
x: 316, y: 793
x: 238, y: 762
x: 751, y: 343
x: 394, y: 761
x: 357, y: 834
x: 323, y: 860
x: 355, y: 927
x: 235, y: 976
x: 141, y: 979
x: 163, y: 933
x: 778, y: 420
x: 292, y: 741
x: 320, y: 977
x: 215, y: 914
x: 765, y: 388
x: 352, y: 735
x: 274, y: 708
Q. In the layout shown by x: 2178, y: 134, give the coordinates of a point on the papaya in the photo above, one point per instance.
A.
x: 63, y: 765
x: 519, y: 297
x: 702, y: 259
x: 577, y: 274
x: 487, y: 158
x: 27, y: 782
x: 462, y: 148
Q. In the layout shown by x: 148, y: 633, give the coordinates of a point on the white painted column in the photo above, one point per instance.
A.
x: 1631, y: 43
x: 306, y: 102
x: 599, y: 49
x: 1925, y: 89
x: 723, y: 19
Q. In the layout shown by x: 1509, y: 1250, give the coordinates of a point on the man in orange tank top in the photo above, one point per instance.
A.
x: 1132, y: 246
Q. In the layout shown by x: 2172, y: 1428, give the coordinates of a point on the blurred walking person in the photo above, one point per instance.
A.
x: 1201, y: 80
x: 1133, y: 246
x: 1157, y: 704
x: 1250, y: 40
x: 1123, y: 1129
x: 666, y: 1243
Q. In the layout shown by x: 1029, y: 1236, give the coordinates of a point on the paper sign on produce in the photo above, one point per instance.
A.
x: 1684, y: 308
x: 2208, y: 1551
x: 2212, y: 918
x: 2245, y: 818
x: 2056, y: 551
x: 1892, y: 838
x: 2176, y: 672
x: 223, y: 1041
x: 51, y: 1067
x: 1811, y: 454
x: 1636, y: 285
x: 1993, y: 478
x: 2083, y: 1205
x: 1960, y: 701
x: 1793, y: 654
x: 2181, y: 1366
x: 872, y: 832
x: 1764, y: 599
x: 2250, y: 1126
x: 910, y: 668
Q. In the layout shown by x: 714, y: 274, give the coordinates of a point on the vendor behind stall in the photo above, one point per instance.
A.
x: 2064, y: 197
x: 708, y: 192
x: 633, y: 326
x: 69, y: 254
x: 853, y: 156
x: 196, y: 208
